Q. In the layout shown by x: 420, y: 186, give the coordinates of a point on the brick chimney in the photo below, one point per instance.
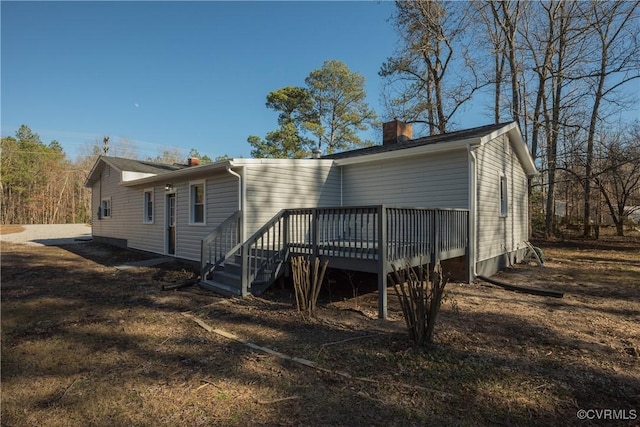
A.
x: 396, y: 131
x: 193, y: 161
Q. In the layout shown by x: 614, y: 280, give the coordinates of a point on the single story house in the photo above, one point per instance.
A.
x: 459, y: 195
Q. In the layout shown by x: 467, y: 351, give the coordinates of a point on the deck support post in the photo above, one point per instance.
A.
x: 382, y: 262
x: 315, y: 235
x: 470, y: 240
x: 244, y: 275
x: 435, y: 256
x: 285, y: 242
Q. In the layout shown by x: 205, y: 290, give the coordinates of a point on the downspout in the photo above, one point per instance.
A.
x: 241, y: 203
x: 473, y: 195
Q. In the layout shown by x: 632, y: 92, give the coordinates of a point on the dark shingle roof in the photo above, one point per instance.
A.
x: 476, y: 132
x: 141, y: 166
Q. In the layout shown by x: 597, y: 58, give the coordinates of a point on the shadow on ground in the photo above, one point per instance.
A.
x: 84, y: 343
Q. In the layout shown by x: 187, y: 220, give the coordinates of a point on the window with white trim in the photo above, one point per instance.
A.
x: 105, y: 208
x: 504, y: 199
x: 148, y: 206
x: 507, y: 146
x: 197, y: 203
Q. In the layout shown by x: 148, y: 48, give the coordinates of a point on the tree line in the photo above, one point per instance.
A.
x: 563, y: 70
x: 40, y: 185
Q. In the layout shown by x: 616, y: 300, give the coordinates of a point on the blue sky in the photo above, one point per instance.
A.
x: 179, y: 75
x: 175, y: 75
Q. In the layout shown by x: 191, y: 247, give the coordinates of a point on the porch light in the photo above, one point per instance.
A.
x: 168, y: 187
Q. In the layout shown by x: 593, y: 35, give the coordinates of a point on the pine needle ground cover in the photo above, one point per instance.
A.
x: 85, y: 343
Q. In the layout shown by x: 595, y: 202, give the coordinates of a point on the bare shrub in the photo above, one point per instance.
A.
x: 420, y: 299
x: 307, y: 283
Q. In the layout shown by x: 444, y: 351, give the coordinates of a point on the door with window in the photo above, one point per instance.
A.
x: 171, y: 224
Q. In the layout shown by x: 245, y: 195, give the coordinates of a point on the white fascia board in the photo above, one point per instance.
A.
x: 131, y: 176
x: 517, y: 143
x: 182, y: 174
x: 280, y: 162
x: 97, y: 167
x: 90, y: 178
x: 410, y: 152
x: 522, y: 150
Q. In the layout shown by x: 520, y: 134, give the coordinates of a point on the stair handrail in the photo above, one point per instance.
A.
x: 249, y: 275
x: 207, y: 263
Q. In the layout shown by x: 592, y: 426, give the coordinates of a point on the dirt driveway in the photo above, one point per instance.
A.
x: 50, y: 234
x: 84, y: 343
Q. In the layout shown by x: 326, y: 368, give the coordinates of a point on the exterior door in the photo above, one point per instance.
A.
x: 171, y: 224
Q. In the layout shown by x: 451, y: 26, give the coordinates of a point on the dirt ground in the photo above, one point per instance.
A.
x: 87, y: 344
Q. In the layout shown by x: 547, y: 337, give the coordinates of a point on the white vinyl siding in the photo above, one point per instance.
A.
x: 148, y: 205
x: 221, y: 200
x: 303, y: 183
x: 499, y: 233
x: 438, y: 180
x: 126, y: 212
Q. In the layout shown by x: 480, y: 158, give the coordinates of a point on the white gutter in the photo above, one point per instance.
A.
x: 180, y: 174
x: 473, y: 203
x: 408, y: 152
x: 241, y: 203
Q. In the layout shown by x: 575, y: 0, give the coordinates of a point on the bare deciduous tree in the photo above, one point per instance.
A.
x: 615, y: 61
x: 619, y: 177
x: 432, y: 74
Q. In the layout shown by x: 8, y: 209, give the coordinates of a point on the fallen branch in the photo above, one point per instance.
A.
x: 524, y: 289
x: 269, y: 402
x: 206, y: 384
x: 277, y: 354
x: 184, y: 284
x: 202, y: 386
x: 67, y: 390
x: 298, y: 360
x: 348, y: 339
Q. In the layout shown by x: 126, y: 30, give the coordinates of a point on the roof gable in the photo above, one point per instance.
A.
x: 129, y: 167
x: 444, y: 138
x: 141, y: 166
x: 458, y: 140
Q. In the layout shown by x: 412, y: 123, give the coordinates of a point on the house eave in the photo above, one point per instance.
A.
x: 194, y: 171
x: 409, y: 152
x: 512, y: 130
x: 97, y: 167
x: 280, y: 162
x: 199, y: 171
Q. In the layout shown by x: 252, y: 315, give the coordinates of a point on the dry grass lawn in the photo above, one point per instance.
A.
x: 87, y: 344
x: 9, y: 229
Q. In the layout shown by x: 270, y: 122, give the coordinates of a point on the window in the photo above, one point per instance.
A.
x: 504, y: 200
x: 105, y: 208
x: 148, y: 206
x: 197, y: 203
x: 507, y: 146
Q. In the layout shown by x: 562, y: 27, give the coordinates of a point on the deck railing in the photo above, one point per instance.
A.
x: 367, y: 238
x: 354, y: 233
x: 221, y: 243
x: 452, y: 237
x: 264, y: 253
x: 409, y: 233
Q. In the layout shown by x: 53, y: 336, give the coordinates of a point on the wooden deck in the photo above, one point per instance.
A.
x: 361, y: 238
